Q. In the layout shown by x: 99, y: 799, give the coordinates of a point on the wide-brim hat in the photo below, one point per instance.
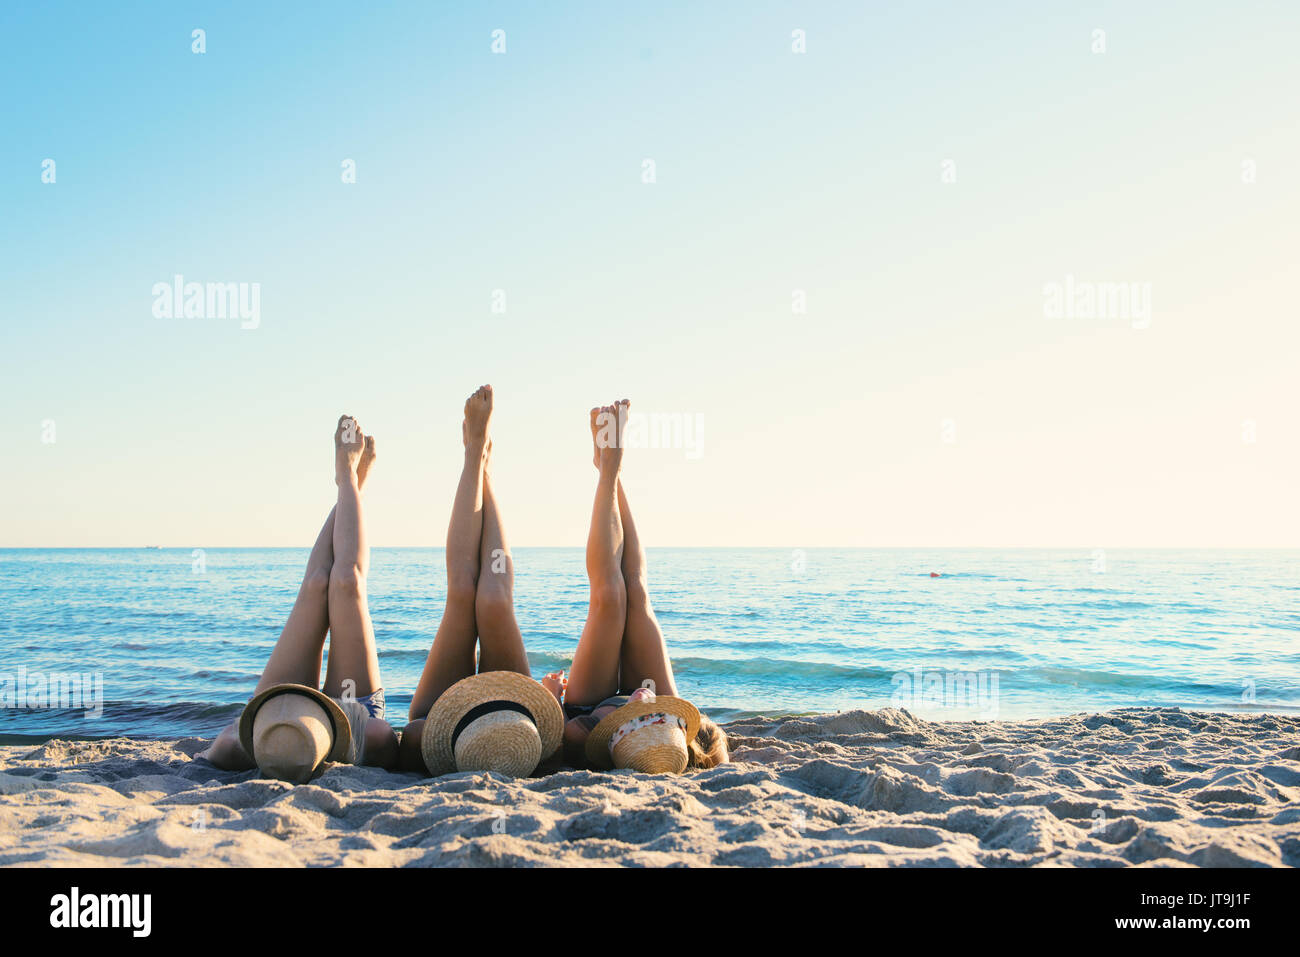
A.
x: 297, y: 706
x: 493, y: 721
x: 653, y: 748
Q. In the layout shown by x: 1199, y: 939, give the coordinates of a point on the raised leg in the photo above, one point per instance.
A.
x: 296, y: 657
x: 595, y: 671
x: 644, y: 651
x: 451, y: 656
x: 500, y: 644
x: 353, y: 665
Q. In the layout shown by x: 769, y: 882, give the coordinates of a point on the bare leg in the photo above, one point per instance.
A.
x: 353, y: 664
x: 451, y: 657
x: 594, y: 673
x: 296, y: 657
x: 644, y: 652
x: 501, y: 646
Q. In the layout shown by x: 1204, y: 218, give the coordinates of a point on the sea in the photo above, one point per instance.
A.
x: 168, y: 642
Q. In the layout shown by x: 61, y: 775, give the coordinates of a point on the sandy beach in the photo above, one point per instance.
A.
x: 1141, y: 786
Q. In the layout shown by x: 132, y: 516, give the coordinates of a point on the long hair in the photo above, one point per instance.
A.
x: 709, y: 749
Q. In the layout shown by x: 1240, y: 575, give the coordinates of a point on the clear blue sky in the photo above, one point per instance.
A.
x: 776, y: 172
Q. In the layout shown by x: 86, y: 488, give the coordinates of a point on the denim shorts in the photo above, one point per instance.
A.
x: 373, y: 703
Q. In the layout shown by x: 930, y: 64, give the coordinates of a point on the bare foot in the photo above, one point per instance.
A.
x: 622, y: 407
x: 367, y: 460
x: 478, y: 415
x: 487, y: 448
x: 555, y: 683
x: 349, y: 444
x: 607, y: 436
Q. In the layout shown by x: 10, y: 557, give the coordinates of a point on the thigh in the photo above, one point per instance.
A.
x: 451, y: 656
x: 500, y: 643
x: 353, y: 661
x: 296, y: 656
x: 594, y: 674
x: 645, y: 652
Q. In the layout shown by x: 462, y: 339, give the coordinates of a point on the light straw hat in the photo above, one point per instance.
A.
x: 649, y: 735
x: 291, y: 730
x: 493, y: 721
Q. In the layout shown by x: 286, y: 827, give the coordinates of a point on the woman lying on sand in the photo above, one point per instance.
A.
x: 622, y: 660
x: 478, y: 633
x: 331, y: 599
x: 476, y: 705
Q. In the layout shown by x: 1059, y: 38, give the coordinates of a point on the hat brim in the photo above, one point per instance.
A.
x: 342, y: 730
x: 597, y: 749
x: 469, y: 693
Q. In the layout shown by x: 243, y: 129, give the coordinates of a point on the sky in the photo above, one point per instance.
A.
x: 841, y: 272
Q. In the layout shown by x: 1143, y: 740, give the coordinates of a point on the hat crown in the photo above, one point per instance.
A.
x: 503, y: 741
x: 291, y: 737
x: 653, y: 749
x: 529, y: 725
x: 326, y: 727
x: 671, y: 721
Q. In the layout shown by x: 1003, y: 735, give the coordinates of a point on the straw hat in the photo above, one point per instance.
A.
x: 634, y: 737
x: 290, y: 730
x: 493, y: 721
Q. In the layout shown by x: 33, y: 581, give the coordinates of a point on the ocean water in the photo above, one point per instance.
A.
x: 1002, y: 634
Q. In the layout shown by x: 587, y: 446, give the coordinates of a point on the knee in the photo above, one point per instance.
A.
x: 637, y: 594
x: 493, y: 605
x: 346, y: 581
x: 462, y: 590
x: 317, y: 582
x: 609, y: 597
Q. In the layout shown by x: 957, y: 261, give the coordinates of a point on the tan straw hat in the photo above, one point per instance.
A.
x: 649, y: 735
x: 291, y: 730
x: 493, y: 721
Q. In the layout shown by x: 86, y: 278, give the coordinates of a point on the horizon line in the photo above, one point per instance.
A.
x: 783, y: 547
